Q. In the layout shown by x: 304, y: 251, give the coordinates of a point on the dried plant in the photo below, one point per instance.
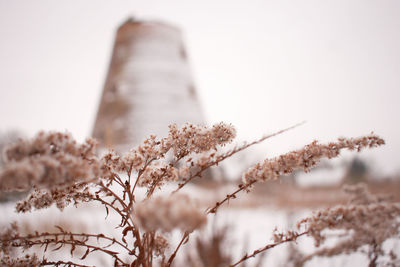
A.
x: 364, y: 225
x: 60, y: 172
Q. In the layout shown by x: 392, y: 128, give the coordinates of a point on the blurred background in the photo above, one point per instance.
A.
x: 260, y: 65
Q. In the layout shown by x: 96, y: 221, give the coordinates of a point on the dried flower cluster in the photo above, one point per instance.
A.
x: 160, y: 245
x: 366, y: 220
x: 302, y: 159
x: 47, y: 161
x: 306, y: 158
x: 25, y: 261
x: 62, y: 197
x: 197, y: 139
x: 161, y: 172
x: 181, y: 142
x: 60, y: 171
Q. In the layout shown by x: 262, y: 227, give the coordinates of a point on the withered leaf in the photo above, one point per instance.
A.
x: 59, y: 228
x: 57, y: 248
x: 107, y: 211
x: 85, y: 255
x: 72, y: 249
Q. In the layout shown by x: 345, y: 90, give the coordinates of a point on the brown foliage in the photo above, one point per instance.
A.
x: 60, y: 171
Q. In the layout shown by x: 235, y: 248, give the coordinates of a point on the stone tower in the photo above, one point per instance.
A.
x: 148, y: 86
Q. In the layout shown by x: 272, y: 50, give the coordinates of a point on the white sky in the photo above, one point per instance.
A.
x: 262, y: 65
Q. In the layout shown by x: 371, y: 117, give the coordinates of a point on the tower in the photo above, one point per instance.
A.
x: 148, y: 86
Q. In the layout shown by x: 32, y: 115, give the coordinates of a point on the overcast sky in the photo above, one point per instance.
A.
x: 262, y: 65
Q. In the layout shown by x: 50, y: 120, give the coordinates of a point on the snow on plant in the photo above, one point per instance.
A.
x: 59, y: 171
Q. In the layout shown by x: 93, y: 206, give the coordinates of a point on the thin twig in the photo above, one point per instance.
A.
x: 229, y: 196
x: 72, y: 243
x: 105, y: 203
x: 114, y: 195
x: 269, y: 246
x: 97, y: 236
x: 66, y: 263
x: 171, y: 258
